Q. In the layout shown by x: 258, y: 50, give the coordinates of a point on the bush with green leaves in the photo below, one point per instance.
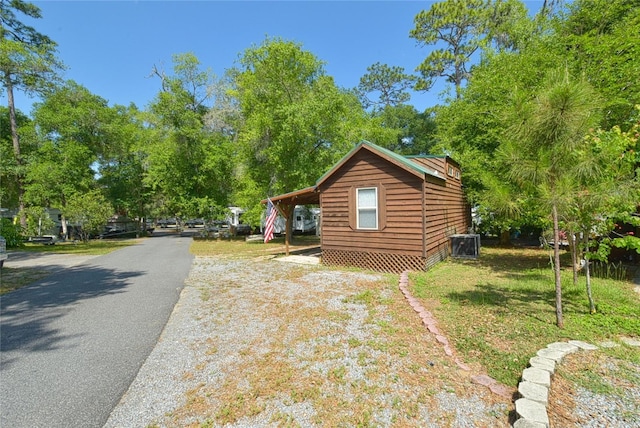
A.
x: 39, y: 222
x: 11, y: 233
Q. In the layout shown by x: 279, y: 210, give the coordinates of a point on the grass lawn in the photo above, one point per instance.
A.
x: 12, y: 278
x: 89, y: 248
x: 499, y: 310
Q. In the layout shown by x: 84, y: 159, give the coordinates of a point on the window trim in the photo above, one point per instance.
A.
x: 374, y: 208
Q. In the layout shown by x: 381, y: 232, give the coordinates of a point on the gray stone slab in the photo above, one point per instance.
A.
x: 534, y: 391
x: 526, y: 423
x: 543, y: 363
x: 539, y: 376
x: 565, y: 347
x: 532, y: 411
x: 583, y: 345
x: 630, y: 341
x: 551, y: 354
x: 608, y: 344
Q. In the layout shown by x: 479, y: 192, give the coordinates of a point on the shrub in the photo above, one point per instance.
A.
x: 11, y: 233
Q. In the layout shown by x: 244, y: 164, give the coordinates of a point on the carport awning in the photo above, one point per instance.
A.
x: 307, y: 196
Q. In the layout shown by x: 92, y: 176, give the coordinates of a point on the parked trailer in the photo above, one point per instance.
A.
x: 305, y: 221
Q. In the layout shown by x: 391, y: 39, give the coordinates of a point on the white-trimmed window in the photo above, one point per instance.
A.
x: 367, y: 208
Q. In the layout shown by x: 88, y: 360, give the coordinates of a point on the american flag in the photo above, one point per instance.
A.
x: 272, y: 213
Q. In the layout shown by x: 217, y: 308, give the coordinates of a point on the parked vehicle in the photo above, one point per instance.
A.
x: 195, y: 222
x: 243, y: 229
x: 167, y: 222
x: 43, y: 239
x: 216, y: 229
x: 113, y: 232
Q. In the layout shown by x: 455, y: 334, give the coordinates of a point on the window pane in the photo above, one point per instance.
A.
x: 367, y: 208
x: 367, y: 198
x: 367, y: 219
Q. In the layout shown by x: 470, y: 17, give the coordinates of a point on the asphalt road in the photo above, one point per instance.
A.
x: 72, y: 343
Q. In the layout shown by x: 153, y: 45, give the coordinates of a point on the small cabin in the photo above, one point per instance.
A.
x: 388, y: 212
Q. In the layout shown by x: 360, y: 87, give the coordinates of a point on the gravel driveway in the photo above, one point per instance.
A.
x: 260, y: 342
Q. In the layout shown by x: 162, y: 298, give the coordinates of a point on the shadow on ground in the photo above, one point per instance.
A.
x: 27, y: 314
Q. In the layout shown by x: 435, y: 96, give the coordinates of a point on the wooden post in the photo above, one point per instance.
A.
x: 286, y: 236
x: 286, y: 211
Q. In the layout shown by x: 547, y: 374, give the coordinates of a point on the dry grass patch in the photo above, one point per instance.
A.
x: 599, y: 373
x: 240, y: 248
x: 14, y: 278
x: 89, y: 248
x: 343, y: 353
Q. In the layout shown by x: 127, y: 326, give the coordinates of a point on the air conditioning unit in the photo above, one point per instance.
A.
x: 465, y: 246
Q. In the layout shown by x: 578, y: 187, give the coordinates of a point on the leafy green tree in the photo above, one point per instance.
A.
x: 27, y: 63
x: 72, y: 132
x: 39, y: 222
x: 122, y: 167
x: 414, y: 132
x: 456, y: 25
x: 89, y: 210
x: 389, y: 84
x: 509, y: 26
x: 601, y: 41
x: 461, y: 31
x: 296, y: 122
x: 608, y: 191
x: 547, y: 134
x: 11, y: 172
x: 57, y: 172
x: 470, y: 128
x: 395, y: 124
x: 73, y: 113
x: 189, y: 165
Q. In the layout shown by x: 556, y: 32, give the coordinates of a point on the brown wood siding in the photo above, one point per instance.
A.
x: 402, y: 233
x: 441, y: 165
x: 446, y: 211
x: 436, y: 164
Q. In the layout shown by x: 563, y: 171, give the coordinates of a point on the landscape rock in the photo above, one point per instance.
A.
x: 526, y: 423
x: 541, y: 377
x: 534, y: 391
x: 532, y: 411
x: 583, y: 345
x: 543, y: 363
x: 630, y: 341
x: 551, y: 354
x: 565, y: 347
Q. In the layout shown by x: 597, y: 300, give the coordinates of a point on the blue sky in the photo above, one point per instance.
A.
x: 110, y: 47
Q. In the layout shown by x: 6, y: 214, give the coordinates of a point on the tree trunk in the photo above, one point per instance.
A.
x: 587, y: 272
x: 289, y: 230
x: 505, y: 238
x: 556, y: 267
x: 16, y: 150
x: 63, y: 221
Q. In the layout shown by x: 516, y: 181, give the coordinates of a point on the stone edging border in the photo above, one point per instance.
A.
x: 431, y: 324
x: 531, y: 408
